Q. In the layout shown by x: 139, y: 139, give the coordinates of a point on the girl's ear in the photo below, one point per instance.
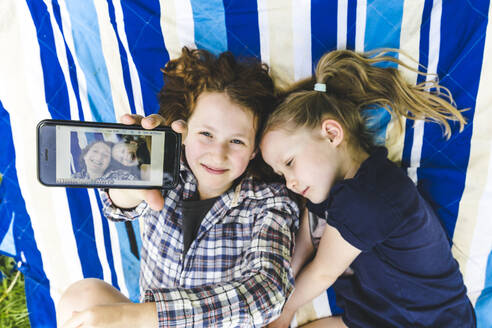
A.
x: 332, y: 131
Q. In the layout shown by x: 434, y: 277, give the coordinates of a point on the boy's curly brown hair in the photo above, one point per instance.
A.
x: 246, y: 81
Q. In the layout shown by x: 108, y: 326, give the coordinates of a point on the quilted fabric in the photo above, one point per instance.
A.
x: 95, y: 60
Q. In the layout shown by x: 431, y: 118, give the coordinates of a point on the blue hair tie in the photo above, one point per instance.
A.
x: 320, y: 87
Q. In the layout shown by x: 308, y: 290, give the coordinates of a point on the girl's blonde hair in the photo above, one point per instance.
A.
x: 357, y: 82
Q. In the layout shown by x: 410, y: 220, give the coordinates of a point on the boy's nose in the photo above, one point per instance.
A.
x: 220, y: 151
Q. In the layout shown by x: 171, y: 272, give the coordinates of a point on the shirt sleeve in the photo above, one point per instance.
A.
x: 252, y: 301
x: 115, y: 213
x: 362, y: 217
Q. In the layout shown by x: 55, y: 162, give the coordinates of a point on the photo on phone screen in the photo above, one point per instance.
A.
x: 113, y: 157
x: 105, y: 156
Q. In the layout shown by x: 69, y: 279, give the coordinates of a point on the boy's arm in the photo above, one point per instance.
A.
x: 121, y: 315
x: 333, y: 257
x: 303, y: 250
x: 253, y: 299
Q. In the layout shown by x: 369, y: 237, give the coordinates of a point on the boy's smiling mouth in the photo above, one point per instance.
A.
x: 213, y: 170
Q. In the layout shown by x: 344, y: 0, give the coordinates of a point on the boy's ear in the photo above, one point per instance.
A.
x: 332, y: 131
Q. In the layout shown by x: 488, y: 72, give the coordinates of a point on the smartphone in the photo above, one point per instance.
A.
x: 107, y: 155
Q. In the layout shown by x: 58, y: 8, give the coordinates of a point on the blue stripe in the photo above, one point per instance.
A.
x: 210, y: 26
x: 107, y: 243
x: 243, y: 33
x: 71, y: 64
x: 335, y: 309
x: 83, y: 230
x: 54, y: 82
x: 382, y: 30
x: 87, y: 43
x: 351, y: 23
x: 39, y: 303
x: 460, y: 66
x: 146, y: 44
x: 323, y: 28
x: 124, y: 58
x: 130, y: 264
x: 383, y: 24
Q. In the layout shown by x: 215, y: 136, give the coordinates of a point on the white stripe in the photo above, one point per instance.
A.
x: 410, y: 36
x: 472, y: 242
x: 481, y: 243
x: 264, y: 31
x: 81, y: 81
x: 301, y: 25
x: 112, y: 58
x: 322, y: 305
x: 23, y: 95
x: 410, y: 44
x: 342, y: 24
x: 360, y: 25
x: 434, y: 43
x: 99, y: 236
x: 177, y: 26
x: 135, y: 80
x: 61, y: 54
x: 185, y: 25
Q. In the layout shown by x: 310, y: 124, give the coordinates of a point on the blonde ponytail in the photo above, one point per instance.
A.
x: 356, y: 83
x: 361, y: 78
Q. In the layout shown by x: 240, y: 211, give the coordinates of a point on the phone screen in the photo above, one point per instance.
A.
x: 111, y: 156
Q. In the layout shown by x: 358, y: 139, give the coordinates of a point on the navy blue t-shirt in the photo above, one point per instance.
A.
x: 405, y: 275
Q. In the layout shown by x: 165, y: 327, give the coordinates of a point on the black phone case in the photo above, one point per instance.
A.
x: 175, y: 164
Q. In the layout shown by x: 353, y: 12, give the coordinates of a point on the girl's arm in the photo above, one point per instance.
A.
x: 304, y: 249
x: 333, y: 257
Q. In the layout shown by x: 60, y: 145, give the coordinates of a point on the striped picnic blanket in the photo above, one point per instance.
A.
x: 94, y: 60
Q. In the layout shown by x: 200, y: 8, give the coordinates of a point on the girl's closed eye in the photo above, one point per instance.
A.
x: 289, y: 162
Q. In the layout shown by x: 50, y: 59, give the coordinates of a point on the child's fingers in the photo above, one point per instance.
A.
x: 179, y: 126
x: 130, y: 119
x: 152, y: 121
x: 154, y: 199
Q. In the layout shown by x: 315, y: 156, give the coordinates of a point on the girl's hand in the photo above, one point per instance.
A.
x: 127, y: 198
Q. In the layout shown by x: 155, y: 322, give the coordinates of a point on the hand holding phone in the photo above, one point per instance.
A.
x: 126, y: 198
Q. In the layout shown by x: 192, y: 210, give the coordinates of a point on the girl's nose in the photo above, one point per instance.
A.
x: 291, y: 183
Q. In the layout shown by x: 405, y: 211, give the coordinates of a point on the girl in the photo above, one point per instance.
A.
x: 217, y: 252
x: 378, y: 224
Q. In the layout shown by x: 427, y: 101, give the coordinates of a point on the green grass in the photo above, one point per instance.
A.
x: 13, y: 309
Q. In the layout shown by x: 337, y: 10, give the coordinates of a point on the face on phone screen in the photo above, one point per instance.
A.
x: 109, y: 156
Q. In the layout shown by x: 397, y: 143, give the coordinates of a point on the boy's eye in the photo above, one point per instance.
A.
x: 237, y: 142
x: 205, y: 133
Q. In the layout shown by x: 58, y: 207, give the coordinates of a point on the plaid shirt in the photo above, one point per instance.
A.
x: 237, y: 271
